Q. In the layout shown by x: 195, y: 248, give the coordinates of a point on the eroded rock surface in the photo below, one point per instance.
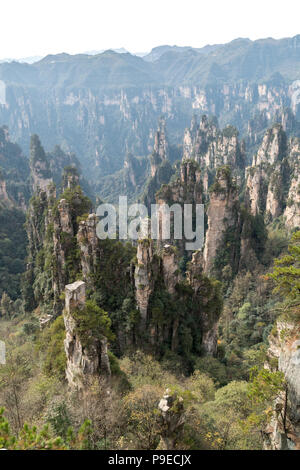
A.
x: 84, y: 363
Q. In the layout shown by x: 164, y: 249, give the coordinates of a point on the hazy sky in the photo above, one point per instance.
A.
x: 40, y: 27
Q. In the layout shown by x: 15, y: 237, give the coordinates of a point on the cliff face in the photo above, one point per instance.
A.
x: 88, y: 245
x: 160, y: 167
x: 57, y: 166
x: 5, y: 200
x: 292, y: 209
x: 41, y: 176
x: 136, y: 170
x: 63, y: 233
x: 223, y: 218
x: 272, y: 180
x: 187, y: 188
x: 170, y: 269
x: 284, y: 434
x: 161, y: 145
x: 145, y: 274
x: 166, y: 301
x: 52, y: 260
x: 211, y: 147
x: 155, y: 273
x: 211, y: 304
x: 14, y: 173
x: 51, y: 229
x: 84, y: 363
x: 149, y: 268
x: 22, y: 177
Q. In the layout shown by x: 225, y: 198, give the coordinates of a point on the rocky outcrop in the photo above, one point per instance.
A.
x: 64, y: 219
x: 260, y: 193
x: 41, y: 177
x: 51, y: 228
x: 269, y: 162
x: 195, y: 270
x: 222, y: 217
x: 206, y: 294
x: 39, y: 180
x: 70, y: 178
x: 292, y: 210
x: 264, y: 193
x: 283, y: 432
x: 84, y: 363
x: 211, y: 147
x: 160, y: 148
x: 171, y: 420
x: 145, y: 275
x: 135, y: 171
x: 272, y: 180
x: 248, y: 260
x: 273, y: 147
x: 161, y: 145
x: 14, y: 173
x: 187, y: 188
x: 129, y: 168
x: 58, y: 167
x: 63, y: 233
x: 40, y: 262
x: 256, y: 190
x: 274, y: 202
x: 287, y: 119
x: 5, y: 200
x: 160, y: 167
x: 89, y: 246
x: 171, y: 273
x: 150, y: 292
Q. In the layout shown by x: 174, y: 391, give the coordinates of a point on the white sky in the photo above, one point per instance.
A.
x: 40, y: 27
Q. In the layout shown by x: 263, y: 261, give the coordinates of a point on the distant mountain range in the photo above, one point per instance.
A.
x: 102, y: 105
x: 164, y: 65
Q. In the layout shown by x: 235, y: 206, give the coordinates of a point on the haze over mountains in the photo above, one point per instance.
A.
x: 105, y: 105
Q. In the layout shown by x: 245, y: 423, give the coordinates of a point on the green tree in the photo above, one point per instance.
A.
x: 286, y: 273
x: 264, y: 388
x: 141, y: 410
x: 12, y: 377
x: 92, y: 322
x: 30, y: 438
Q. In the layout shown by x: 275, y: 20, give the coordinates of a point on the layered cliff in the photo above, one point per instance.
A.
x: 51, y: 227
x: 283, y: 431
x: 271, y: 181
x: 181, y: 312
x: 211, y: 147
x: 186, y: 187
x: 86, y: 360
x: 160, y: 166
x: 5, y: 200
x: 223, y: 232
x: 292, y: 208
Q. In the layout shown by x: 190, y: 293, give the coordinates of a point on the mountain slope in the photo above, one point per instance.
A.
x: 105, y: 106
